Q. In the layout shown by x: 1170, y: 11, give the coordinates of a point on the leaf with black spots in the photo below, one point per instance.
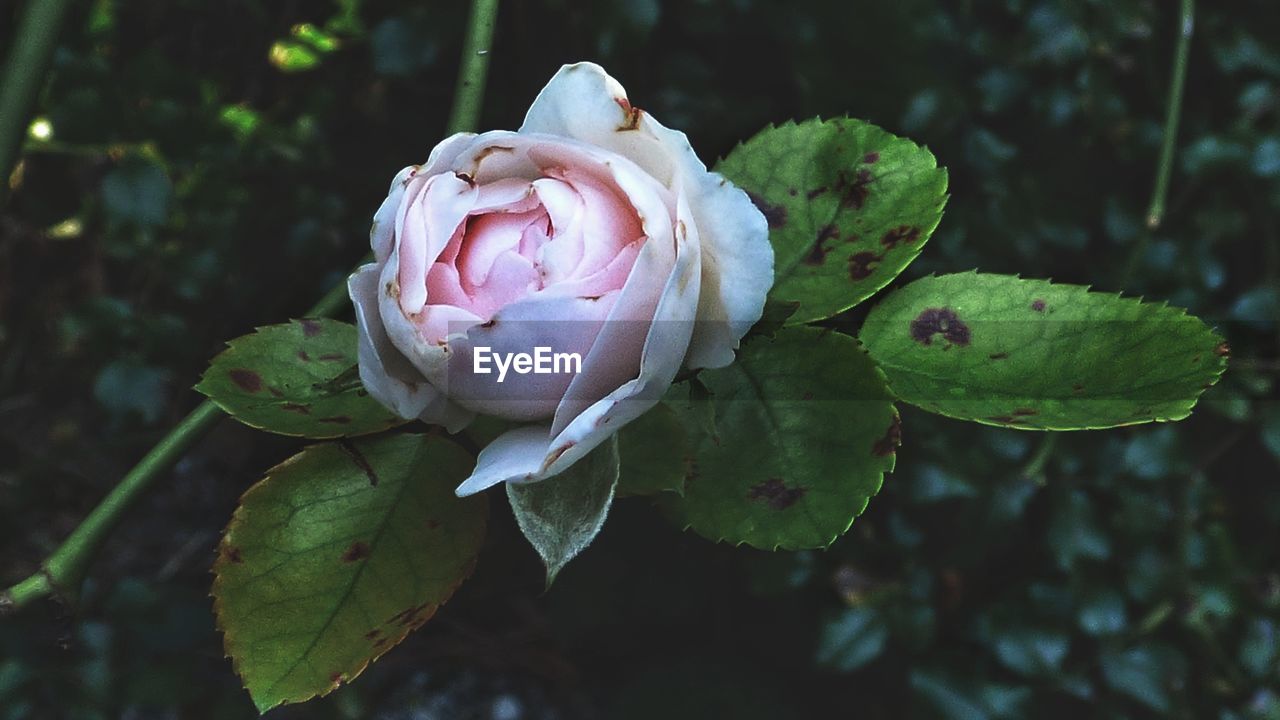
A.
x: 298, y: 378
x: 849, y: 206
x: 1035, y: 355
x: 337, y: 555
x: 805, y: 431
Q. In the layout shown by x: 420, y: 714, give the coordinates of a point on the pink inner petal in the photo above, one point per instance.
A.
x: 511, y: 277
x: 487, y: 237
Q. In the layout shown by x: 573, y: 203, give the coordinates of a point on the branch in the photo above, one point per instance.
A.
x: 1177, y: 83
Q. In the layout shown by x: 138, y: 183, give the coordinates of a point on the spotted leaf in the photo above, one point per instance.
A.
x: 848, y: 204
x: 298, y: 378
x: 804, y: 432
x: 337, y: 555
x: 1031, y: 354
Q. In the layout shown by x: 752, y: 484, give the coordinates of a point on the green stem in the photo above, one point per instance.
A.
x: 24, y: 73
x: 1034, y: 469
x: 469, y: 92
x: 61, y: 573
x: 1177, y: 83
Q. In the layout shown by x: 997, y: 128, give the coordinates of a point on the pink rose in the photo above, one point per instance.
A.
x: 592, y: 231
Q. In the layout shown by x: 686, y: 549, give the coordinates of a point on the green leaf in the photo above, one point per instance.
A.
x: 137, y: 192
x: 291, y: 57
x: 1142, y: 674
x: 849, y: 206
x: 298, y: 378
x: 805, y: 430
x: 1001, y: 350
x: 337, y: 555
x: 1031, y: 651
x: 560, y: 516
x: 852, y: 639
x: 652, y: 452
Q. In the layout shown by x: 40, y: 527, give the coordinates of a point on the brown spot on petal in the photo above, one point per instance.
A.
x: 775, y: 215
x: 246, y: 379
x: 358, y: 551
x: 999, y: 356
x: 372, y: 634
x: 336, y: 420
x: 303, y: 356
x: 816, y: 192
x: 1038, y: 305
x: 231, y: 554
x: 555, y: 455
x: 486, y: 152
x: 774, y: 493
x: 311, y: 328
x: 296, y: 408
x: 871, y: 158
x: 1026, y: 411
x: 333, y: 357
x: 1223, y: 350
x: 939, y: 321
x: 632, y: 119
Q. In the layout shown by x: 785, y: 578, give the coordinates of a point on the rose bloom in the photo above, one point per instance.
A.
x: 594, y: 230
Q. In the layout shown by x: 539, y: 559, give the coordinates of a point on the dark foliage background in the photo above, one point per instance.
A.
x: 199, y: 182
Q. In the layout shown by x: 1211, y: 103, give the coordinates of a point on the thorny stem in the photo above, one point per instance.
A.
x: 61, y: 573
x: 33, y: 44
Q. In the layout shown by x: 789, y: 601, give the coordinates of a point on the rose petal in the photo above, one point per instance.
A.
x: 487, y: 237
x: 385, y: 372
x: 561, y: 324
x: 426, y: 355
x: 514, y: 456
x: 507, y: 195
x: 431, y: 217
x: 737, y: 257
x: 584, y: 103
x: 511, y: 278
x: 652, y: 322
x: 382, y: 230
x: 437, y: 323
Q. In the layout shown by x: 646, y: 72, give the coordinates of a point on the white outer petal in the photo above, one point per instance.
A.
x: 385, y: 372
x: 513, y: 456
x: 442, y: 155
